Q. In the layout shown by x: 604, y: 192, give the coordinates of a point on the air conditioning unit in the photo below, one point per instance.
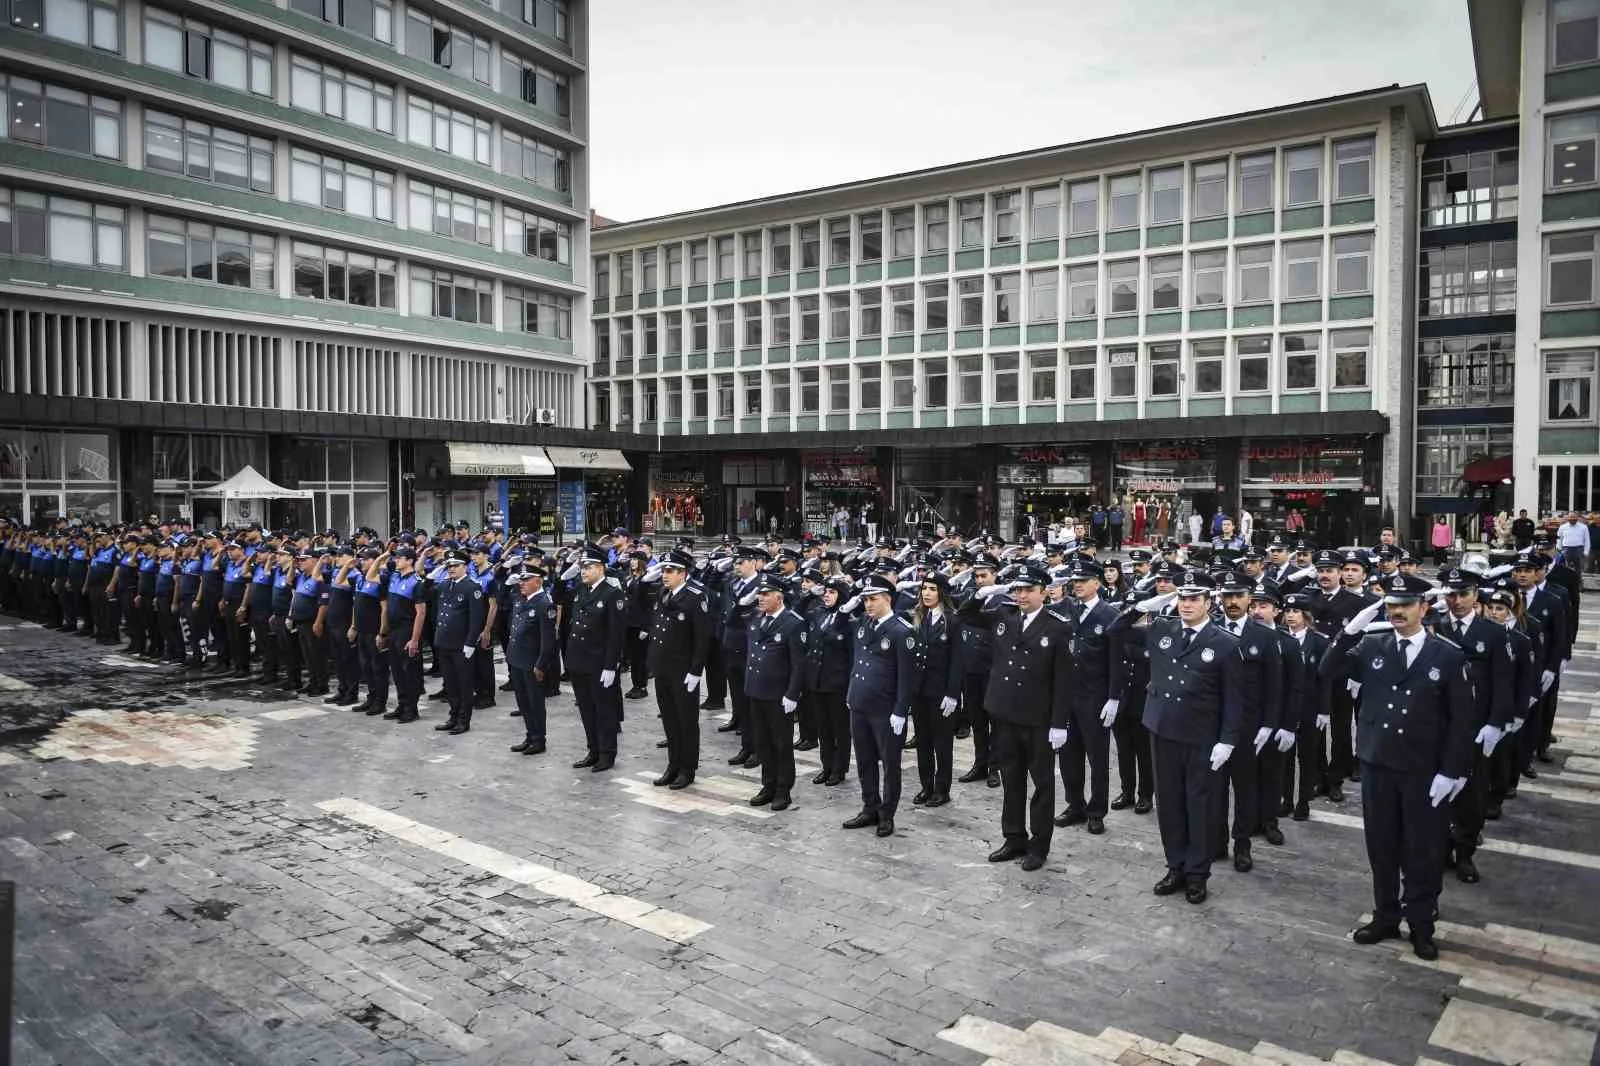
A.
x: 545, y: 416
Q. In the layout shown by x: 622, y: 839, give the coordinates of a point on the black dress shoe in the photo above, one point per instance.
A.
x: 920, y: 798
x: 536, y: 748
x: 661, y: 743
x: 1467, y: 870
x: 392, y: 715
x: 1531, y: 774
x: 1007, y: 852
x: 1423, y: 947
x: 667, y: 778
x: 726, y: 727
x: 752, y: 761
x: 805, y: 745
x: 885, y: 827
x: 483, y: 704
x: 438, y: 697
x: 1302, y: 811
x: 520, y: 748
x: 821, y: 778
x: 1335, y: 794
x: 376, y: 709
x: 709, y: 706
x: 516, y: 713
x: 834, y: 779
x: 1122, y: 802
x: 458, y: 729
x: 1096, y: 825
x: 1273, y: 834
x: 861, y: 821
x: 337, y: 697
x: 1196, y: 892
x: 1543, y: 755
x: 407, y: 717
x: 681, y: 782
x: 1241, y: 856
x: 507, y: 687
x: 1032, y: 861
x: 1169, y: 885
x: 1144, y: 806
x: 1070, y: 817
x: 588, y: 760
x: 1375, y: 932
x: 449, y: 723
x: 977, y: 773
x: 1355, y: 773
x: 635, y: 694
x: 937, y: 799
x: 604, y: 763
x: 781, y: 802
x: 1492, y: 812
x: 740, y: 757
x: 1285, y: 809
x: 994, y: 778
x: 762, y: 798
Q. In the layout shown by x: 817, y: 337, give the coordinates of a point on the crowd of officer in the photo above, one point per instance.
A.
x: 1234, y: 687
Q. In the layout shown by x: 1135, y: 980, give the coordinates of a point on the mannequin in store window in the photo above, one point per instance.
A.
x: 1138, y: 520
x: 1163, y: 520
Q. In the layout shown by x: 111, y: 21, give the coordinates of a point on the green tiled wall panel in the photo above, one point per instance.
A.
x: 1161, y: 236
x: 750, y: 425
x: 1116, y: 412
x: 779, y: 424
x: 724, y: 425
x: 1041, y: 412
x: 1161, y: 408
x: 807, y: 423
x: 902, y: 344
x: 750, y: 357
x: 1349, y: 401
x: 722, y: 290
x: 1574, y: 84
x: 1122, y: 326
x: 1345, y: 308
x: 1255, y: 315
x: 969, y: 338
x: 1352, y: 212
x: 972, y: 259
x: 867, y: 273
x: 1299, y: 403
x: 1005, y: 255
x: 1569, y: 441
x: 1297, y: 218
x: 777, y: 283
x: 935, y: 419
x: 969, y: 416
x: 1126, y: 240
x: 750, y: 287
x: 805, y: 353
x: 1208, y: 319
x: 902, y: 268
x: 838, y: 422
x: 1166, y: 322
x: 1209, y: 229
x: 697, y: 294
x: 900, y: 420
x: 806, y: 279
x: 937, y: 263
x: 647, y: 366
x: 836, y: 350
x: 1043, y: 332
x: 671, y: 429
x: 934, y: 342
x: 723, y: 359
x: 624, y: 303
x: 648, y: 429
x: 1078, y: 412
x: 1005, y: 335
x: 779, y: 354
x: 671, y: 297
x: 671, y: 363
x: 647, y: 300
x: 600, y: 305
x: 1568, y: 206
x: 1253, y: 225
x: 1043, y: 251
x: 868, y: 347
x: 1569, y: 323
x: 1206, y: 408
x: 1252, y: 405
x: 1003, y: 416
x: 839, y: 275
x: 697, y: 361
x: 698, y: 427
x: 1301, y: 311
x: 1083, y: 329
x: 1077, y: 246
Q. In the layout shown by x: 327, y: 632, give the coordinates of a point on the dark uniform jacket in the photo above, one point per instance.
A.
x: 1195, y: 695
x: 940, y: 659
x: 883, y: 677
x: 1523, y: 666
x: 776, y: 664
x: 532, y: 633
x: 1095, y: 670
x: 1484, y: 644
x: 1030, y: 680
x: 1549, y: 608
x: 599, y: 627
x: 1305, y: 690
x: 1262, y: 675
x: 680, y: 634
x: 978, y: 615
x: 736, y: 616
x: 830, y: 650
x: 460, y: 611
x: 1418, y: 719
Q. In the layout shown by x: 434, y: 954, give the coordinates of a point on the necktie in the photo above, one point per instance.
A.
x: 1404, y: 647
x: 1188, y: 638
x: 1236, y: 628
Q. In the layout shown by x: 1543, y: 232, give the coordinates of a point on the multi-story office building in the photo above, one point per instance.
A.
x: 1213, y: 315
x: 332, y: 239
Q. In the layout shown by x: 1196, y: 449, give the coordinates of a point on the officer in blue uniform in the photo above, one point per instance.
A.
x: 594, y: 655
x: 257, y: 605
x: 191, y: 622
x: 308, y: 608
x: 1261, y: 681
x: 339, y: 625
x: 1088, y: 618
x: 883, y: 679
x: 458, y: 625
x: 1414, y: 737
x: 101, y: 564
x: 401, y: 635
x: 531, y: 654
x: 978, y: 614
x: 773, y: 680
x: 830, y: 651
x: 679, y: 643
x: 368, y: 613
x: 234, y: 653
x: 166, y: 605
x: 738, y: 606
x: 282, y: 566
x: 1193, y: 711
x: 482, y: 571
x: 1305, y: 703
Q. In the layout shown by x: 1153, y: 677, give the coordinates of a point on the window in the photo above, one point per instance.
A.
x: 1575, y: 32
x: 810, y: 245
x: 1459, y: 371
x: 778, y: 240
x: 547, y: 16
x: 64, y: 120
x: 1044, y: 297
x: 207, y: 153
x: 1569, y: 387
x: 1122, y: 373
x: 935, y: 384
x: 839, y: 389
x: 752, y: 392
x: 602, y: 277
x: 698, y: 329
x: 902, y: 309
x: 725, y: 259
x: 1210, y: 278
x: 871, y: 236
x: 1468, y: 279
x: 1005, y: 378
x: 1302, y: 269
x: 699, y: 398
x: 751, y: 313
x: 969, y: 297
x: 1210, y: 197
x: 698, y: 269
x: 1006, y: 292
x: 750, y: 246
x: 779, y: 311
x: 348, y: 277
x: 520, y: 157
x: 456, y: 50
x: 778, y: 390
x: 1205, y: 357
x: 1083, y: 207
x: 648, y: 278
x: 1042, y: 377
x: 1442, y: 452
x: 1044, y: 213
x: 935, y: 305
x: 465, y: 136
x: 1122, y: 287
x: 1166, y: 195
x: 95, y: 24
x: 330, y: 182
x: 810, y: 391
x: 1124, y: 202
x: 1166, y: 282
x: 674, y: 266
x: 327, y: 90
x: 970, y: 213
x: 549, y: 314
x: 534, y: 84
x: 1573, y: 140
x: 602, y: 345
x: 871, y: 303
x: 935, y: 227
x: 969, y: 381
x: 447, y: 294
x: 1350, y: 356
x: 838, y: 316
x: 1083, y: 291
x: 1460, y: 190
x: 838, y: 242
x: 810, y: 317
x: 1163, y: 371
x: 1006, y: 207
x: 1352, y: 168
x: 674, y: 400
x: 1082, y: 367
x: 724, y: 395
x: 1255, y: 182
x: 1255, y: 274
x: 674, y: 332
x: 903, y: 232
x: 724, y: 317
x: 199, y: 51
x: 902, y: 385
x: 1352, y: 264
x: 370, y: 18
x: 625, y: 344
x: 1254, y: 359
x: 1302, y: 176
x: 1300, y: 352
x: 199, y: 251
x: 432, y: 208
x: 1570, y: 273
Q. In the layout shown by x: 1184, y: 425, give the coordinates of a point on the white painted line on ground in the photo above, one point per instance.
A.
x: 289, y: 714
x: 1492, y: 844
x: 1530, y: 987
x: 1510, y: 1038
x: 12, y: 684
x: 669, y: 925
x: 8, y: 759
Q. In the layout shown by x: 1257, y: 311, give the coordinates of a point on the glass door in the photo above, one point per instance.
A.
x: 42, y: 507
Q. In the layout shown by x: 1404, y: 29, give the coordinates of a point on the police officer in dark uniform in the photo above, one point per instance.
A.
x: 258, y: 612
x: 883, y: 679
x: 401, y: 636
x: 594, y: 655
x: 191, y: 622
x: 482, y: 572
x: 1545, y: 601
x: 679, y: 642
x: 738, y: 606
x: 1415, y: 737
x: 940, y: 672
x: 979, y: 611
x: 830, y: 652
x: 531, y: 652
x: 1266, y: 609
x: 1502, y: 602
x: 460, y: 612
x: 1339, y: 604
x: 1088, y: 619
x: 1261, y: 680
x: 773, y: 679
x: 367, y: 619
x: 1305, y: 703
x: 308, y: 610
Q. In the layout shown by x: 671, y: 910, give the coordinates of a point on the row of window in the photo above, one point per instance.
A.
x: 59, y: 118
x: 1075, y: 375
x: 375, y: 18
x: 97, y: 23
x: 1470, y: 188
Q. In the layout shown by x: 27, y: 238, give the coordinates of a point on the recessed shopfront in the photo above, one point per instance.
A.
x: 1315, y: 488
x: 1038, y: 484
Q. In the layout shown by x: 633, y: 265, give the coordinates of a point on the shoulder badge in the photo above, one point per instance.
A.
x: 703, y: 607
x: 1206, y: 655
x: 1433, y: 673
x: 1510, y: 652
x: 861, y: 632
x: 1481, y: 648
x: 883, y: 645
x: 551, y: 614
x: 477, y: 594
x: 1164, y: 643
x: 1377, y: 663
x: 617, y: 603
x: 1000, y: 630
x: 911, y: 643
x: 802, y: 636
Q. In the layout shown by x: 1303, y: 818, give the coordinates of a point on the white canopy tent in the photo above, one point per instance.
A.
x: 250, y: 484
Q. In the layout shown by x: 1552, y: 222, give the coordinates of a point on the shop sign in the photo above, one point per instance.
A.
x: 1177, y: 451
x: 839, y: 470
x: 1076, y: 474
x: 573, y: 504
x: 1166, y: 467
x: 1303, y: 464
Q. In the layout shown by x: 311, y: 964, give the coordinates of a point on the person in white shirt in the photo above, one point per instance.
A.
x: 1572, y: 537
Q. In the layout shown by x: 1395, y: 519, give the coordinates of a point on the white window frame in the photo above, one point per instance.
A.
x: 1345, y: 255
x: 1341, y: 343
x: 1578, y: 140
x: 1296, y: 254
x: 1584, y: 9
x: 1553, y: 259
x: 1547, y: 378
x: 1314, y: 353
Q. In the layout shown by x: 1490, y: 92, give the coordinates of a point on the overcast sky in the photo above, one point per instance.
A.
x: 703, y: 102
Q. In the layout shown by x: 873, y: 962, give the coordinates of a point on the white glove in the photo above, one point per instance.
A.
x: 1514, y: 725
x: 1263, y: 735
x: 992, y: 590
x: 569, y: 573
x: 789, y: 705
x: 1489, y: 736
x: 1307, y: 574
x: 1219, y: 754
x: 644, y: 634
x: 1155, y: 603
x: 468, y: 650
x: 1364, y: 616
x: 607, y: 678
x: 652, y: 573
x: 908, y: 586
x: 1108, y: 713
x: 1058, y: 737
x: 850, y: 605
x: 1546, y: 679
x: 747, y: 600
x: 897, y: 724
x: 292, y: 628
x: 691, y: 681
x: 1323, y: 721
x: 1285, y: 739
x: 1455, y: 789
x: 947, y: 706
x: 1439, y: 789
x: 1354, y: 688
x: 722, y: 566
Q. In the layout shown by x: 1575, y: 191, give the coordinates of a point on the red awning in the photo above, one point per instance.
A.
x: 1487, y: 470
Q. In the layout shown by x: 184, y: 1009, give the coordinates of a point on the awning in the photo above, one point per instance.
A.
x: 588, y: 459
x: 1482, y: 471
x: 498, y: 460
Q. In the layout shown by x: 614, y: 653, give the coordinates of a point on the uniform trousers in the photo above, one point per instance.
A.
x: 1135, y: 766
x: 457, y: 671
x: 374, y: 668
x: 71, y: 604
x: 1341, y: 724
x: 1547, y: 713
x: 716, y: 675
x: 171, y: 639
x: 738, y: 701
x: 267, y: 643
x: 193, y: 634
x: 1301, y: 767
x: 407, y: 671
x: 1406, y: 837
x: 1022, y: 752
x: 222, y: 623
x: 638, y: 647
x: 1091, y: 741
x: 134, y: 616
x: 1239, y: 776
x: 93, y: 606
x: 1185, y: 784
x: 314, y: 654
x: 529, y: 692
x: 936, y: 739
x: 1468, y: 809
x: 680, y: 720
x: 238, y: 637
x: 1505, y: 767
x: 1269, y: 783
x: 770, y: 735
x: 832, y: 720
x: 601, y: 710
x: 288, y: 650
x: 877, y: 758
x: 972, y: 690
x: 483, y: 675
x: 344, y: 659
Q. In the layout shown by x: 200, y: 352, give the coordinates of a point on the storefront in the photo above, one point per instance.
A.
x: 942, y: 487
x: 1317, y: 488
x: 760, y: 495
x: 46, y: 474
x: 678, y: 495
x: 842, y: 493
x: 1161, y: 483
x: 1036, y: 484
x: 507, y: 486
x: 592, y: 489
x: 185, y: 464
x: 350, y: 480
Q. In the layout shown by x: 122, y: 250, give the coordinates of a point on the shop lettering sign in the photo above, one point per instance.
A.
x: 1144, y: 453
x: 1303, y: 450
